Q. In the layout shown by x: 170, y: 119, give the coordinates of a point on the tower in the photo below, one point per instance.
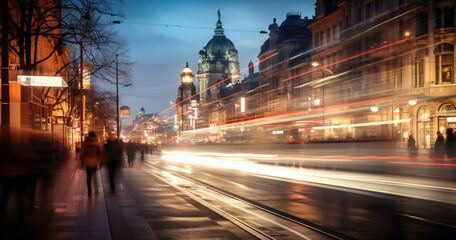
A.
x: 185, y: 116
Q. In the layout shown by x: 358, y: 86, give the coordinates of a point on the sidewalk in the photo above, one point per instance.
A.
x: 142, y: 207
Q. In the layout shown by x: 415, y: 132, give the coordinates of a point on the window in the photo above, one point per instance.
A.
x: 401, y: 28
x: 347, y: 21
x: 369, y: 10
x: 378, y: 6
x: 321, y: 38
x: 398, y: 73
x: 444, y: 63
x: 421, y: 24
x: 447, y: 108
x: 328, y: 35
x: 334, y: 33
x: 360, y: 15
x: 444, y: 17
x: 419, y: 73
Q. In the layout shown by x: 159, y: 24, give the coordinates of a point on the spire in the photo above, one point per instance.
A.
x: 219, y: 29
x: 251, y: 67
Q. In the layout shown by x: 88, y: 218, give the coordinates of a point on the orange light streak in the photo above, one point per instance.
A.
x: 343, y: 60
x: 431, y: 164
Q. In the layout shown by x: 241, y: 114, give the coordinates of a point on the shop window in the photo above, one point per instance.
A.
x: 446, y: 117
x: 444, y: 63
x: 424, y: 127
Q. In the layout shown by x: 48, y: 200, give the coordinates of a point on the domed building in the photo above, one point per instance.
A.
x: 218, y: 60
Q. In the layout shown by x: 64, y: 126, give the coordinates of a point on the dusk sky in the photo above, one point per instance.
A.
x: 158, y: 53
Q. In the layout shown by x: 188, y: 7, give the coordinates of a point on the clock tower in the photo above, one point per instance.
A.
x: 186, y: 104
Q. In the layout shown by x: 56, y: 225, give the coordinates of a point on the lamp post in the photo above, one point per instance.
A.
x: 117, y: 97
x: 317, y: 64
x: 5, y: 104
x: 81, y: 86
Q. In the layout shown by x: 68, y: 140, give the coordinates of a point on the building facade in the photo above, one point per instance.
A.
x: 392, y: 61
x: 43, y: 53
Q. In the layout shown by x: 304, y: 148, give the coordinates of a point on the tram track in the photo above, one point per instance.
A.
x: 260, y: 221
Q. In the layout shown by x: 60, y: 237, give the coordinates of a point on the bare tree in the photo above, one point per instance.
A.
x: 44, y: 29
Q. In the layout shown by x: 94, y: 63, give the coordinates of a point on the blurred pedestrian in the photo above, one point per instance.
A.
x: 411, y: 146
x: 77, y: 149
x: 26, y: 155
x: 142, y: 149
x: 114, y: 156
x: 91, y: 155
x: 439, y: 146
x: 450, y: 145
x: 131, y: 152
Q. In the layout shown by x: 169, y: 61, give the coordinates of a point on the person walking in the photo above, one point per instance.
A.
x: 411, y: 146
x: 439, y: 146
x: 114, y: 156
x: 131, y: 152
x: 91, y: 155
x: 450, y: 145
x: 77, y: 149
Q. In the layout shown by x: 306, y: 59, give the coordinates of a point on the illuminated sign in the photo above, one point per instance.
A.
x: 451, y: 119
x: 41, y: 81
x: 242, y: 104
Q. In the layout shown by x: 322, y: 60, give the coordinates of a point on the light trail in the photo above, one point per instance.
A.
x: 346, y: 59
x: 386, y: 184
x: 430, y: 164
x: 134, y: 129
x: 222, y: 99
x: 363, y: 124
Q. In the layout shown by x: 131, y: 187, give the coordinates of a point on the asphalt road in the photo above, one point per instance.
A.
x: 361, y: 191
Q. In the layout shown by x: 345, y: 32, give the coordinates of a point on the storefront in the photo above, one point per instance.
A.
x: 423, y: 138
x: 446, y: 117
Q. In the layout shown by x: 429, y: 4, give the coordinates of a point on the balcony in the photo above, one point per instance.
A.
x: 444, y: 31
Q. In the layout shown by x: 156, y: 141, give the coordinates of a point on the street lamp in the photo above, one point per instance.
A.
x: 317, y: 64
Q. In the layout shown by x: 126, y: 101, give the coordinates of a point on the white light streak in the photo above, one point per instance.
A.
x: 364, y: 124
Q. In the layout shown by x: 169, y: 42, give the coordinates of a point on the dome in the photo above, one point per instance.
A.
x: 219, y: 45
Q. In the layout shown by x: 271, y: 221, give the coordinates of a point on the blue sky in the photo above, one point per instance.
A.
x: 159, y: 53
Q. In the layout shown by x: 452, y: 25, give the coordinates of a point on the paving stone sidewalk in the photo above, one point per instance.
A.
x: 143, y: 207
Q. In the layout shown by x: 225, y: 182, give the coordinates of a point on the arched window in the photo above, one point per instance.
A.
x: 444, y: 63
x: 423, y: 114
x: 447, y: 108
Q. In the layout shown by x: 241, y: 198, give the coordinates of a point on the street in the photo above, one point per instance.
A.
x: 357, y: 203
